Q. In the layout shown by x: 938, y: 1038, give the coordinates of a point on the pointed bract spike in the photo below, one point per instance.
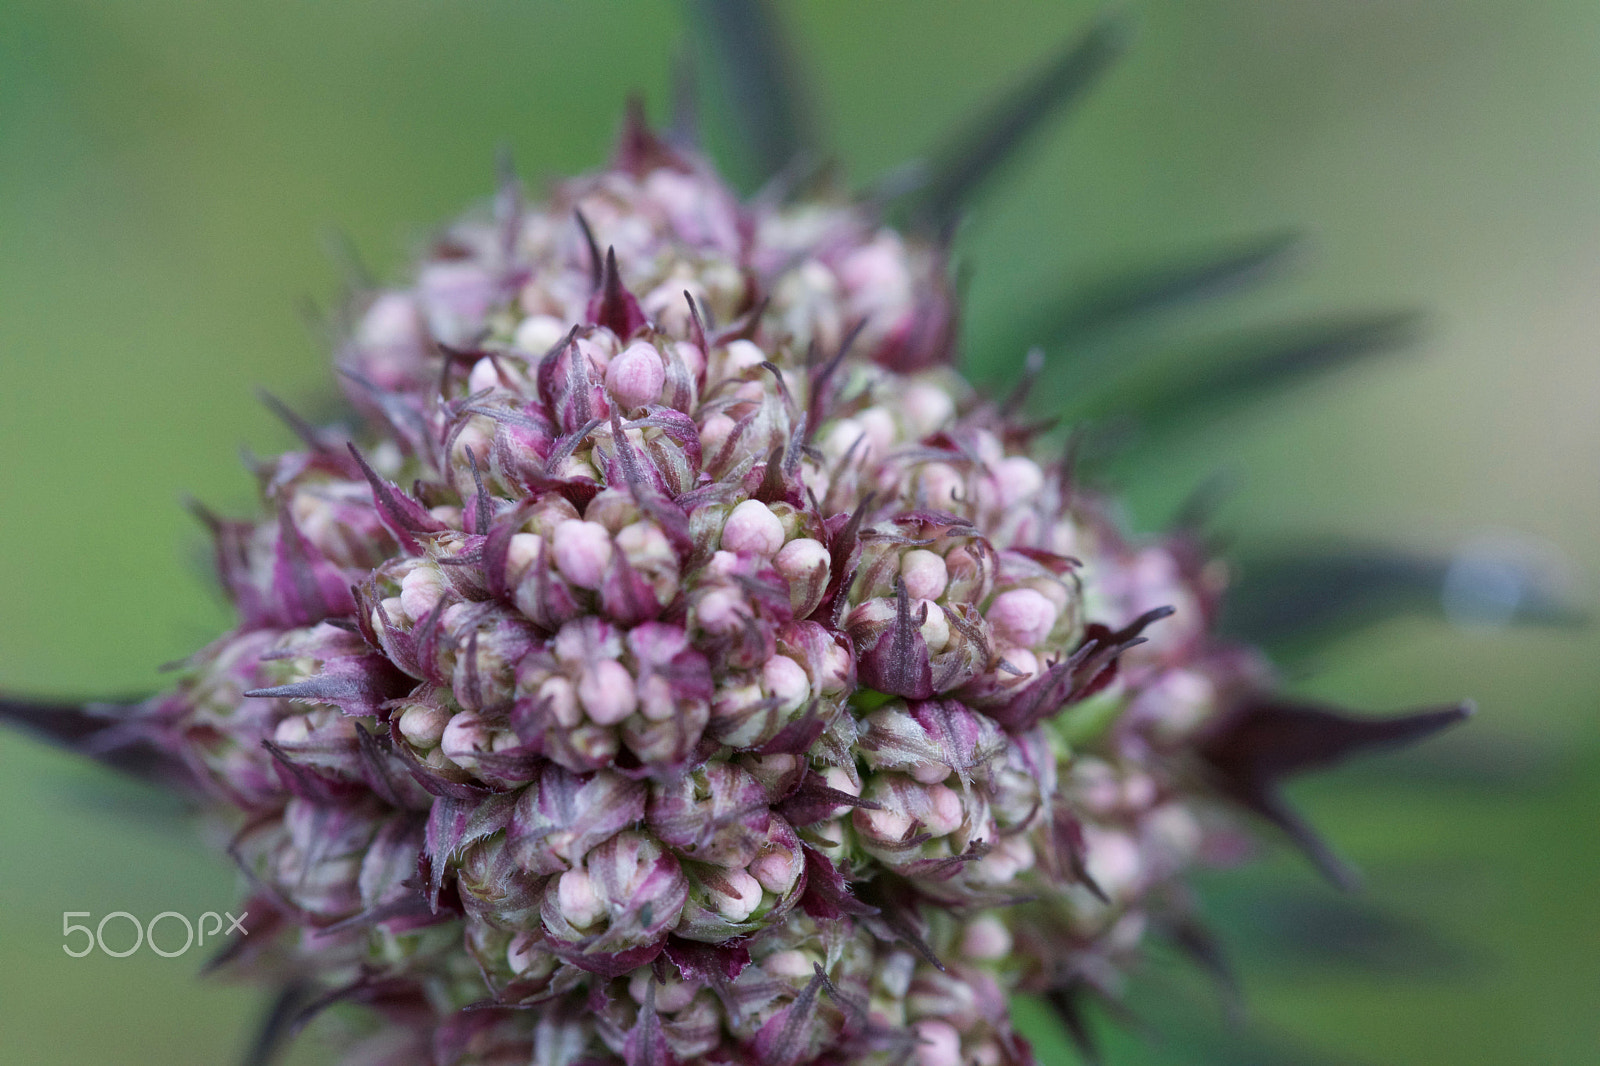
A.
x: 96, y: 730
x: 403, y: 515
x: 971, y: 158
x: 612, y: 305
x: 1239, y: 369
x: 768, y: 105
x: 596, y: 260
x: 273, y: 1035
x: 1140, y: 294
x: 1067, y: 1002
x: 1253, y: 749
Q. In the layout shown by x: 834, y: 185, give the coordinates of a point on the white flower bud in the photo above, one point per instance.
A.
x: 1022, y: 616
x: 926, y: 407
x: 292, y: 730
x: 743, y: 355
x: 785, y: 680
x: 777, y: 868
x: 607, y: 692
x: 737, y: 897
x: 805, y: 563
x: 484, y: 375
x: 582, y: 552
x: 423, y: 725
x: 537, y: 334
x: 580, y: 903
x: 945, y: 811
x: 986, y: 937
x: 635, y: 377
x: 420, y: 591
x: 752, y: 528
x: 522, y: 951
x: 938, y: 1043
x: 924, y: 574
x: 464, y: 738
x: 935, y: 627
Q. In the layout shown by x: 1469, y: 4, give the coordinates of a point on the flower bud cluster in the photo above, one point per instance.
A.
x: 680, y: 660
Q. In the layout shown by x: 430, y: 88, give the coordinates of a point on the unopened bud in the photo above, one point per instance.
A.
x: 582, y: 552
x: 635, y: 377
x: 924, y: 574
x: 423, y: 725
x: 752, y: 529
x: 607, y: 692
x: 1022, y: 616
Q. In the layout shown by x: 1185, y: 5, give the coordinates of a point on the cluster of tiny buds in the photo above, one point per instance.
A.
x: 719, y: 642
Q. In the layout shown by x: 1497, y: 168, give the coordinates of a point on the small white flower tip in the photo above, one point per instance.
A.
x: 1022, y: 616
x: 582, y: 551
x: 752, y: 528
x: 777, y: 869
x: 607, y: 692
x: 579, y: 902
x: 785, y: 680
x: 423, y: 726
x: 938, y: 1043
x: 986, y: 937
x: 924, y: 574
x: 635, y: 377
x: 738, y: 897
x: 464, y: 738
x: 537, y: 334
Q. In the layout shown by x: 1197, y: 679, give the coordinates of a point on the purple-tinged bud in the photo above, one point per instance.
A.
x: 924, y: 574
x: 752, y: 529
x: 804, y: 563
x: 607, y: 693
x: 613, y: 914
x: 636, y: 377
x: 582, y: 552
x: 1022, y: 616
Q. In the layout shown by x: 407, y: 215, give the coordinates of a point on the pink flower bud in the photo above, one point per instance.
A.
x: 785, y: 680
x: 734, y: 894
x: 752, y: 529
x: 777, y: 868
x: 804, y: 564
x: 938, y: 1043
x: 926, y: 407
x: 607, y: 692
x: 986, y: 937
x: 423, y: 725
x: 924, y: 574
x: 635, y: 377
x: 465, y: 738
x: 522, y: 952
x: 1022, y: 616
x: 582, y: 552
x: 420, y: 591
x: 537, y: 334
x: 580, y: 903
x: 561, y: 697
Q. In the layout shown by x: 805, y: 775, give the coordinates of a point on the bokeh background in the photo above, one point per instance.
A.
x: 170, y: 175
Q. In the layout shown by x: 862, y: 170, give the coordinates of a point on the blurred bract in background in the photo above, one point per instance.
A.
x: 170, y: 177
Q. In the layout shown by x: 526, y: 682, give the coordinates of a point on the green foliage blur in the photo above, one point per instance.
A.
x: 171, y: 172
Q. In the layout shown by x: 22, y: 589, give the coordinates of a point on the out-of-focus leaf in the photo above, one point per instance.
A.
x: 1235, y: 370
x: 276, y: 1029
x: 1260, y: 744
x: 97, y: 731
x: 1132, y: 296
x: 774, y: 123
x: 1293, y: 598
x: 958, y: 170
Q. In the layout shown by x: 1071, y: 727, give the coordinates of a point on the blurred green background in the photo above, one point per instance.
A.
x: 170, y: 171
